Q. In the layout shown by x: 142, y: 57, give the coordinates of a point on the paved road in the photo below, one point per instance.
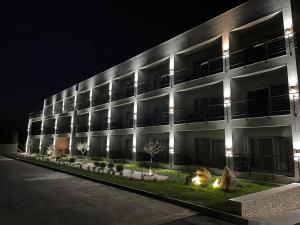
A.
x: 34, y: 195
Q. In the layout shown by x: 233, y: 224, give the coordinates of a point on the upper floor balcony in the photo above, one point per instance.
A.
x: 199, y: 105
x: 99, y: 120
x: 256, y: 42
x: 154, y: 77
x: 82, y: 123
x: 261, y: 95
x: 100, y: 95
x: 153, y: 112
x: 122, y: 117
x: 36, y: 114
x: 64, y: 125
x: 123, y: 87
x: 199, y: 61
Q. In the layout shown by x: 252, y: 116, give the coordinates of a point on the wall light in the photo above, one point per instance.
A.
x: 227, y: 102
x: 289, y: 33
x: 226, y: 54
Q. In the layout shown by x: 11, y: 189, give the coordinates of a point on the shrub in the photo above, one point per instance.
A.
x: 111, y: 165
x: 102, y: 165
x: 58, y: 158
x: 120, y: 168
x: 71, y: 160
x: 96, y: 163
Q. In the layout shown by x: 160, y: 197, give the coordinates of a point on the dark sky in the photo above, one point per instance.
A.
x: 46, y: 47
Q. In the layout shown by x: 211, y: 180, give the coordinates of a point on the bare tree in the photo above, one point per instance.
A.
x: 82, y: 147
x: 152, y: 148
x: 50, y: 150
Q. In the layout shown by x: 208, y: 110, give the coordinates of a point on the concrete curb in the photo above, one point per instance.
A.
x: 205, y: 210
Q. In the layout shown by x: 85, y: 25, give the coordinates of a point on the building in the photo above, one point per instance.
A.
x: 223, y: 93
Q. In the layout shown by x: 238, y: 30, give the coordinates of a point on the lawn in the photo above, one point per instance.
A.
x: 174, y: 187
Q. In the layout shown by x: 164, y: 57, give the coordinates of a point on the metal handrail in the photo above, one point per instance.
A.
x: 267, y: 49
x: 265, y: 106
x: 206, y: 68
x: 116, y: 95
x: 210, y: 113
x: 154, y: 120
x: 146, y: 86
x: 263, y: 163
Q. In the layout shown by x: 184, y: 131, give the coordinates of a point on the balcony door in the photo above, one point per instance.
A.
x: 271, y: 154
x: 258, y: 102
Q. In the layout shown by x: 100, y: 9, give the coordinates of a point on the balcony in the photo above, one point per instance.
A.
x: 261, y: 107
x: 128, y: 92
x: 154, y: 83
x: 99, y: 100
x: 63, y: 130
x: 119, y: 124
x: 35, y: 114
x: 258, y: 52
x: 272, y: 164
x: 35, y: 131
x: 199, y: 69
x: 81, y: 128
x: 99, y: 127
x: 203, y: 114
x: 83, y: 104
x: 49, y: 131
x: 154, y: 119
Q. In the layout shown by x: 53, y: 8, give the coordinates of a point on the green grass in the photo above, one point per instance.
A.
x: 174, y: 187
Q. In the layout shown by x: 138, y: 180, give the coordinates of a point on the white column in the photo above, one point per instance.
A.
x: 108, y: 119
x: 42, y: 126
x: 89, y: 121
x: 226, y: 52
x: 227, y: 100
x: 73, y: 121
x: 293, y: 86
x: 27, y: 150
x: 171, y: 110
x: 136, y: 77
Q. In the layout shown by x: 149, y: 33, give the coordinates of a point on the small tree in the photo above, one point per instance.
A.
x: 50, y: 150
x: 152, y: 148
x: 82, y: 147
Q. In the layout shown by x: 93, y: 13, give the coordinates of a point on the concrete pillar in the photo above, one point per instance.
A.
x: 226, y: 52
x: 227, y: 101
x: 293, y: 86
x: 27, y: 150
x: 89, y: 122
x: 171, y: 111
x: 42, y: 126
x: 108, y: 119
x: 72, y: 143
x: 136, y: 77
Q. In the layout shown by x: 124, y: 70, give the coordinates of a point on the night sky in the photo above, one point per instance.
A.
x: 47, y: 47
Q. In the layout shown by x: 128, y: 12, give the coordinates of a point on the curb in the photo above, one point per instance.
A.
x: 202, y: 209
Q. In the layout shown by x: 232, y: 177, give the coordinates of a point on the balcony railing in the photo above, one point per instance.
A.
x: 260, y: 52
x: 35, y: 131
x: 83, y: 104
x: 36, y: 114
x: 264, y: 163
x: 155, y: 83
x: 117, y: 124
x: 100, y: 100
x: 260, y: 107
x: 203, y: 69
x: 49, y: 131
x: 63, y: 130
x: 116, y: 95
x: 207, y: 113
x: 154, y: 120
x: 81, y: 128
x: 98, y: 127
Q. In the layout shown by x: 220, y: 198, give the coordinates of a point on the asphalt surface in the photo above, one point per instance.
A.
x: 33, y: 195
